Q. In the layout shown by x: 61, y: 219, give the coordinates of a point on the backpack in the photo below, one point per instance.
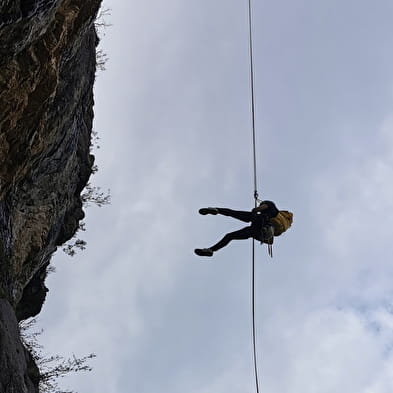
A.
x: 281, y: 222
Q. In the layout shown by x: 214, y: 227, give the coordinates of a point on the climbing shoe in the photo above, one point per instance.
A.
x: 204, y: 252
x: 208, y: 210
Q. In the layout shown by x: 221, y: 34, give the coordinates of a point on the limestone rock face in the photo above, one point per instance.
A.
x: 47, y: 71
x: 18, y: 372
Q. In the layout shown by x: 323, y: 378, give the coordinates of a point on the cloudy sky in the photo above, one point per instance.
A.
x: 173, y: 113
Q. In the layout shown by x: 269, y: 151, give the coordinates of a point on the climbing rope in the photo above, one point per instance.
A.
x: 252, y: 102
x: 255, y: 194
x: 253, y: 318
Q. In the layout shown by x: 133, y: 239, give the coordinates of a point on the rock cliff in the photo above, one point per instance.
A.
x: 47, y: 71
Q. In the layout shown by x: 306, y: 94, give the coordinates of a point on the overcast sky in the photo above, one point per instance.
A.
x: 173, y: 113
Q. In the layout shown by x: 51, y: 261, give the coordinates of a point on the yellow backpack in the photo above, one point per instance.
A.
x: 281, y: 222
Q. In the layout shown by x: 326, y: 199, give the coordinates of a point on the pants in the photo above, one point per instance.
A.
x: 252, y: 231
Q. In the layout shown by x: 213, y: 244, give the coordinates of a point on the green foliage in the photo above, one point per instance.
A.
x: 71, y: 248
x: 91, y: 195
x: 94, y: 195
x: 101, y: 25
x: 54, y: 367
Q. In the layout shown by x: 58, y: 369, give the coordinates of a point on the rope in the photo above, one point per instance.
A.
x: 255, y: 194
x: 252, y: 101
x: 253, y: 318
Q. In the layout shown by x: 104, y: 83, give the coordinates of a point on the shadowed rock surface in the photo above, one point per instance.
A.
x: 47, y: 70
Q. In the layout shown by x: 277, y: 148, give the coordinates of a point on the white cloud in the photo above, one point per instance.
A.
x: 357, y: 196
x: 330, y: 350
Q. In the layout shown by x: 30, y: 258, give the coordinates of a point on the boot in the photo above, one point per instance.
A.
x: 204, y: 252
x: 208, y: 210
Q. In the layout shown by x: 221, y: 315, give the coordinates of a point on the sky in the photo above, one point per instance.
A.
x: 172, y: 110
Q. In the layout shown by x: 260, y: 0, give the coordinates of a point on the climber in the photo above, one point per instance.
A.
x: 266, y: 222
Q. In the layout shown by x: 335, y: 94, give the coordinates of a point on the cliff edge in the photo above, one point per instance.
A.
x: 47, y: 72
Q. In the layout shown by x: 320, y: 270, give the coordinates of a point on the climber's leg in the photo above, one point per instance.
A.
x: 242, y: 234
x: 238, y: 214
